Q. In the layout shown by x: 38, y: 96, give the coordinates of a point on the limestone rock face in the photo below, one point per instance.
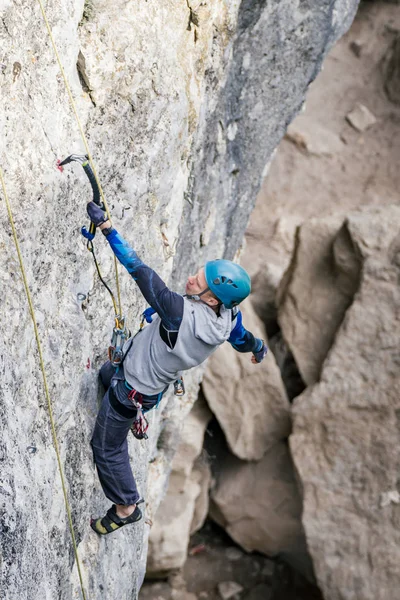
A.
x: 262, y: 82
x: 316, y: 291
x: 258, y: 504
x: 345, y: 437
x: 182, y: 108
x: 169, y: 535
x: 249, y: 400
x: 202, y: 474
x: 191, y: 438
x: 185, y: 505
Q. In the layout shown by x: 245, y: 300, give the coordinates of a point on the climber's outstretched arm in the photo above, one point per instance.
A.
x: 244, y: 341
x: 168, y: 304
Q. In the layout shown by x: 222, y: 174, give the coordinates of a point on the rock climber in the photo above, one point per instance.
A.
x: 186, y: 329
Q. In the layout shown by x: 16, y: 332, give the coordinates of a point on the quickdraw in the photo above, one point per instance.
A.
x: 120, y: 332
x: 179, y: 387
x: 119, y: 336
x: 140, y: 425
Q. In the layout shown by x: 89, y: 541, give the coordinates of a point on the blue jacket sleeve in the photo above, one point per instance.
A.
x: 243, y: 340
x: 167, y: 304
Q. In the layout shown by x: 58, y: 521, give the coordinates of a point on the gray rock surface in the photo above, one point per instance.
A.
x: 392, y: 71
x: 361, y: 118
x: 313, y: 137
x: 181, y: 119
x: 169, y: 535
x: 202, y: 474
x: 273, y: 45
x: 259, y: 505
x: 345, y: 437
x: 249, y: 401
x: 316, y: 291
x: 184, y: 507
x: 229, y: 589
x: 266, y: 259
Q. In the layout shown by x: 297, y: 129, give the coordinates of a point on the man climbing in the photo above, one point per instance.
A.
x: 185, y: 330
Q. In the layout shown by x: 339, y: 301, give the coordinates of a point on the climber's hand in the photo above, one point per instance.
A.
x: 260, y: 354
x: 96, y: 214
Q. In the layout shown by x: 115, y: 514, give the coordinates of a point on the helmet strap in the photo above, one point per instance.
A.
x: 197, y: 297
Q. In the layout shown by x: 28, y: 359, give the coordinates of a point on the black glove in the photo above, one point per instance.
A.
x: 260, y: 354
x: 96, y: 215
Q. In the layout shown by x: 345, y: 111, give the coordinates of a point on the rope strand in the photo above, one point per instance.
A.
x: 46, y: 388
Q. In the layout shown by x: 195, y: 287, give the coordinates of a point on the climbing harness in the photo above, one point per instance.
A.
x: 120, y: 332
x: 140, y: 425
x: 45, y: 385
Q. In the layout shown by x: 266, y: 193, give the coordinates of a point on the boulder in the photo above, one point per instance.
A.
x: 266, y: 257
x: 169, y: 535
x: 360, y: 117
x: 192, y: 435
x: 201, y: 474
x: 259, y: 505
x: 229, y: 589
x: 346, y: 429
x: 314, y: 138
x: 184, y: 508
x: 316, y: 292
x: 249, y: 401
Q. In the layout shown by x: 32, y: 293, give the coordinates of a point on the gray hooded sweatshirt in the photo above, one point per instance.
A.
x: 150, y: 365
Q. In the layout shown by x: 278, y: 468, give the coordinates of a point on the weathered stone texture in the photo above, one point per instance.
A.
x: 313, y: 138
x: 316, y: 291
x: 277, y: 48
x: 346, y: 428
x: 259, y: 505
x: 248, y: 400
x: 182, y: 509
x: 271, y: 255
x: 392, y: 71
x: 181, y: 119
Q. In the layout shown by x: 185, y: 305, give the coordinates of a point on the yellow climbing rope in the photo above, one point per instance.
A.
x: 46, y: 388
x: 83, y: 138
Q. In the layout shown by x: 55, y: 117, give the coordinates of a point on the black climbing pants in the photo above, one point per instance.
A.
x: 109, y: 440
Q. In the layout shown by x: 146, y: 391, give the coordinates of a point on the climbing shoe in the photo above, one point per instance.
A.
x: 111, y: 521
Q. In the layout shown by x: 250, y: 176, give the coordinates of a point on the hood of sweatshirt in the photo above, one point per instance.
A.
x: 209, y: 327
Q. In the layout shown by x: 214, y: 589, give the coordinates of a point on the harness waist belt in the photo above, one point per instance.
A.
x: 121, y: 409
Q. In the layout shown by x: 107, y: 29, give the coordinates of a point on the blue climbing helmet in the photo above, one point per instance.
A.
x: 228, y: 281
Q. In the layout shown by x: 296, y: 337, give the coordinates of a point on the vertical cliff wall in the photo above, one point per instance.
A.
x: 183, y: 103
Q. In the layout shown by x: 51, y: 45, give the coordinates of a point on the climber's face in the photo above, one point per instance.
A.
x: 196, y: 283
